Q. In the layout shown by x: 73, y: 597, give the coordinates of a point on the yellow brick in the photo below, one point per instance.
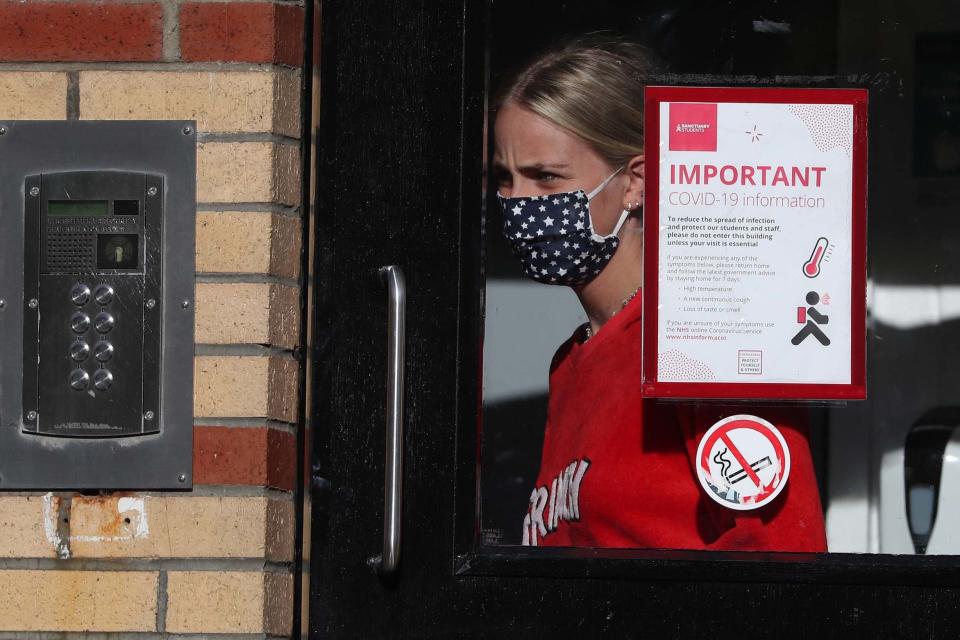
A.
x: 282, y: 400
x: 246, y: 386
x: 249, y: 101
x: 285, y: 243
x: 33, y: 96
x: 177, y: 527
x: 281, y: 526
x: 234, y: 242
x: 278, y: 604
x: 228, y: 602
x: 231, y: 386
x: 287, y: 174
x: 78, y: 600
x: 248, y: 172
x: 286, y: 99
x: 247, y: 313
x: 233, y: 313
x: 248, y: 242
x: 28, y: 526
x: 284, y: 316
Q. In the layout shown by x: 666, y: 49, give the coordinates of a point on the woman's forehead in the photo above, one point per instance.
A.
x: 525, y: 138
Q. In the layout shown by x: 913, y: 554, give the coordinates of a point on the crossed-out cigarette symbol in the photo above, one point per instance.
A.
x: 723, y: 462
x: 740, y: 474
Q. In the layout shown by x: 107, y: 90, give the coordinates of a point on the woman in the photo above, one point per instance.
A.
x: 616, y: 470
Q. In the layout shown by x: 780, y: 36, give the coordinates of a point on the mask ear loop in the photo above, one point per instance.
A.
x: 603, y: 184
x: 623, y: 215
x: 599, y: 238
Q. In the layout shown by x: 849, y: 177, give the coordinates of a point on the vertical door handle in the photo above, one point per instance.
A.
x: 393, y: 467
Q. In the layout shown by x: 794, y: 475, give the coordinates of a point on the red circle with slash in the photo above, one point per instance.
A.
x: 743, y: 462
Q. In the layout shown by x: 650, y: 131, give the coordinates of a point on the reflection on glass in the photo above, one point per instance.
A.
x: 615, y: 469
x: 883, y: 473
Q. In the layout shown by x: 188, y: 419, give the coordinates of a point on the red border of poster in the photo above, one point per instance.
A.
x: 856, y: 389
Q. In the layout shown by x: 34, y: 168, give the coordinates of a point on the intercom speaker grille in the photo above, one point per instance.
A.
x: 70, y: 251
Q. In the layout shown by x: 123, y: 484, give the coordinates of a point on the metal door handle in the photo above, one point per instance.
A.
x: 393, y: 467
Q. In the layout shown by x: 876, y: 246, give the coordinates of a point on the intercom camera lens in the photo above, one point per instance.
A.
x: 80, y: 322
x: 80, y: 294
x: 103, y: 294
x: 103, y: 351
x: 79, y: 379
x: 102, y: 379
x: 79, y: 350
x: 117, y: 251
x: 103, y: 322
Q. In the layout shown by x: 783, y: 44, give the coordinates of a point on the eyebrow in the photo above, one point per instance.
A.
x: 539, y: 166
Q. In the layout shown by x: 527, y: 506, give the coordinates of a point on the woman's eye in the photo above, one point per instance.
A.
x: 547, y: 177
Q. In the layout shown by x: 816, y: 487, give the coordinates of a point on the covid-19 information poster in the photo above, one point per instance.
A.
x: 754, y: 243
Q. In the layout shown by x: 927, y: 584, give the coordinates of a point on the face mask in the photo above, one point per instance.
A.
x: 554, y: 238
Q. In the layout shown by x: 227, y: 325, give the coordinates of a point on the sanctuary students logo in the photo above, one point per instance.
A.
x: 693, y: 126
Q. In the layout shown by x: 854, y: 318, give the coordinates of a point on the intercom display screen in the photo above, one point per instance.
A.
x: 126, y: 207
x: 117, y: 251
x: 78, y: 208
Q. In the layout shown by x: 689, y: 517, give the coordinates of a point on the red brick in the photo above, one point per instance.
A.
x: 241, y: 32
x: 289, y: 35
x: 80, y: 31
x: 244, y: 456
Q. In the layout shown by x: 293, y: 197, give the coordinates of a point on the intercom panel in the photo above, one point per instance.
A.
x: 96, y: 281
x: 91, y: 356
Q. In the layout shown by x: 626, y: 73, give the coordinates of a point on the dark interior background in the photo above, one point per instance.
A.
x: 908, y: 56
x: 701, y: 38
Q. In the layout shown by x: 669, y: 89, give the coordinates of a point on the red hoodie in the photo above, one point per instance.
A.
x: 617, y: 470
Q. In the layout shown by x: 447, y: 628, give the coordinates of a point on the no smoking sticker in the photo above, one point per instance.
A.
x: 743, y: 462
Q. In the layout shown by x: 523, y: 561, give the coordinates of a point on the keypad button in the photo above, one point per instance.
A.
x: 102, y: 379
x: 79, y: 351
x: 80, y: 294
x: 79, y: 379
x: 103, y: 351
x: 103, y: 294
x: 103, y: 322
x: 80, y: 322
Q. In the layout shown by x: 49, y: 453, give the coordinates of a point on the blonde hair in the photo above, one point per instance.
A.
x: 591, y: 87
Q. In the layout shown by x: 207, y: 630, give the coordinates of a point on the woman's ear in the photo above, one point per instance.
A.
x: 633, y: 196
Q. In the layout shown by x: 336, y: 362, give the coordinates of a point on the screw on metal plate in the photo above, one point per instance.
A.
x: 151, y: 303
x: 3, y: 303
x: 32, y: 303
x: 148, y: 416
x: 182, y: 477
x: 3, y: 131
x: 187, y: 130
x: 31, y: 415
x: 34, y: 191
x: 185, y: 304
x: 152, y: 191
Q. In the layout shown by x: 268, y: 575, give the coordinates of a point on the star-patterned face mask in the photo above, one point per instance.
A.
x: 553, y: 235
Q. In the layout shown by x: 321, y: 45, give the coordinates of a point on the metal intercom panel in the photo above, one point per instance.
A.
x: 96, y: 304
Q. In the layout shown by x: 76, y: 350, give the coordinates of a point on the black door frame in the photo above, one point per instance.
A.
x: 449, y: 583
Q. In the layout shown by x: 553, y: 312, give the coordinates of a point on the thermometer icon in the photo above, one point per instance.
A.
x: 811, y: 268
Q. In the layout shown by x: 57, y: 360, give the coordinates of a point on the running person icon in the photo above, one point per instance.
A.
x: 813, y: 319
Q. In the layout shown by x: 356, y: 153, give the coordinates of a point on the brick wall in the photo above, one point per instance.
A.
x: 217, y: 560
